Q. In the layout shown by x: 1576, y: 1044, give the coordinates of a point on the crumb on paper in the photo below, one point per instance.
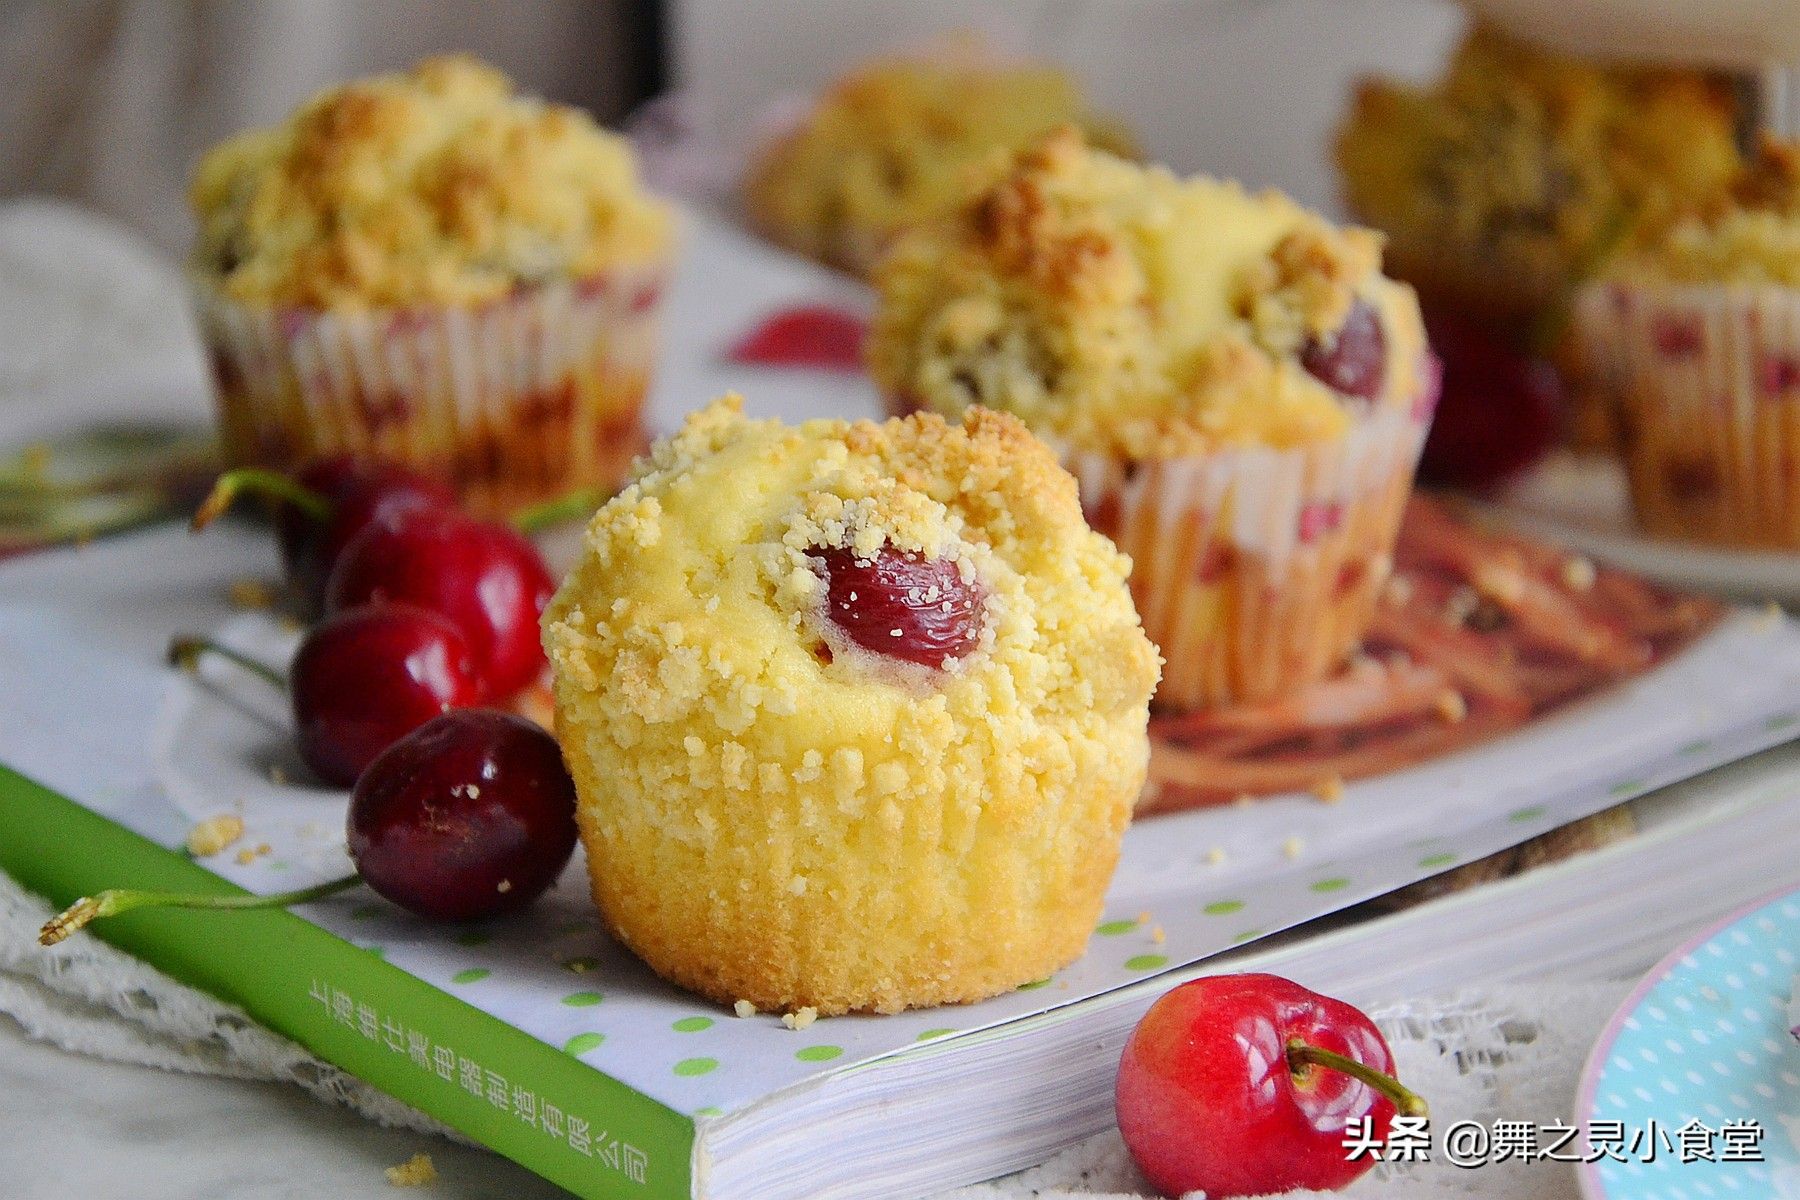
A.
x: 1243, y: 800
x: 253, y: 594
x: 1767, y: 618
x: 1330, y: 789
x: 1451, y: 706
x: 1500, y: 582
x: 263, y: 849
x: 290, y: 622
x: 1157, y: 935
x: 246, y: 856
x: 801, y: 1018
x: 417, y: 1171
x: 1460, y: 605
x: 1143, y: 918
x: 214, y: 834
x: 744, y: 1008
x: 1215, y: 856
x: 278, y: 775
x: 1292, y: 847
x: 1578, y: 573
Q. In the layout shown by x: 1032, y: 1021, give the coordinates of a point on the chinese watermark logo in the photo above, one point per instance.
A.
x: 1471, y: 1144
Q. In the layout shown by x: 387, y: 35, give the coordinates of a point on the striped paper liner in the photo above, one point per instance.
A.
x: 513, y: 401
x: 1257, y: 570
x: 1705, y: 380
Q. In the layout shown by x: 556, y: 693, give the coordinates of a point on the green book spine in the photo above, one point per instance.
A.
x: 499, y: 1085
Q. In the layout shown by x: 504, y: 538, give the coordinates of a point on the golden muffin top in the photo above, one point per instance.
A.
x: 890, y: 143
x: 758, y: 593
x: 1120, y: 309
x: 1751, y: 236
x: 436, y: 185
x: 1522, y: 170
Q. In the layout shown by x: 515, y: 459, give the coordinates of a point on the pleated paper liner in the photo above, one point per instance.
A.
x: 1256, y: 570
x: 514, y: 401
x: 1705, y: 382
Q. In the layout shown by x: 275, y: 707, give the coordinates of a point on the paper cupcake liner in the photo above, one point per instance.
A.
x: 1705, y: 383
x: 513, y: 401
x: 1257, y: 570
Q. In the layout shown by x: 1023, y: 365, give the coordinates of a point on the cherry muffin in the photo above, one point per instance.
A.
x: 1239, y: 390
x: 1696, y: 334
x: 856, y: 712
x: 427, y: 268
x: 889, y: 144
x: 1506, y: 183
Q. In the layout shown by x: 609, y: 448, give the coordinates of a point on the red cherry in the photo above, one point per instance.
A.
x: 1500, y: 410
x: 470, y: 815
x: 1215, y: 1091
x: 367, y: 493
x: 1354, y: 359
x: 294, y: 526
x: 488, y: 579
x: 366, y: 677
x: 901, y: 604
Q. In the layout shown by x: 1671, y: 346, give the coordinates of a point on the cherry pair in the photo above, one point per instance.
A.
x: 427, y: 608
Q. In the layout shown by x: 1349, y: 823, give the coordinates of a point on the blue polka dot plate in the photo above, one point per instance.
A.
x: 1693, y: 1090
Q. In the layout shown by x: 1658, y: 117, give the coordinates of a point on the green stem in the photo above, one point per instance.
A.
x: 231, y: 484
x: 114, y: 901
x: 1407, y: 1102
x: 579, y: 503
x: 185, y: 651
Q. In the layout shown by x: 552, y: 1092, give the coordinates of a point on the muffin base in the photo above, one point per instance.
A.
x: 1705, y: 382
x: 1256, y: 571
x: 513, y: 402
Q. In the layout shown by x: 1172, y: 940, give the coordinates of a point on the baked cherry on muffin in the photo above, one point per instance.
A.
x: 888, y: 145
x: 856, y: 712
x: 1239, y: 389
x: 426, y: 267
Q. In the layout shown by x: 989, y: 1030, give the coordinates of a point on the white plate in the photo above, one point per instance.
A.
x: 1581, y: 502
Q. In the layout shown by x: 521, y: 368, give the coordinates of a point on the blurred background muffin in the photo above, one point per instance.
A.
x: 890, y: 143
x: 856, y: 711
x: 1501, y: 187
x: 1240, y: 391
x: 1695, y: 333
x: 426, y: 267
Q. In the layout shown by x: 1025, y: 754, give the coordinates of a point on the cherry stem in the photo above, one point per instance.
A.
x: 1406, y: 1101
x: 579, y: 503
x: 114, y: 901
x: 185, y: 651
x: 232, y: 484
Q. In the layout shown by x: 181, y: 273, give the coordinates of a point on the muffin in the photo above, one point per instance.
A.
x: 889, y: 145
x: 429, y: 268
x: 1696, y: 333
x: 1516, y: 175
x: 856, y: 712
x: 1239, y: 390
